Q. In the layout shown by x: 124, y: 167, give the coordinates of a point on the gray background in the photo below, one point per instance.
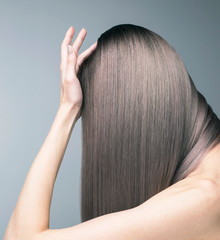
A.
x: 31, y: 34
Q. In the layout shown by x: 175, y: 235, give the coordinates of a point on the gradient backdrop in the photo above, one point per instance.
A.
x: 31, y: 33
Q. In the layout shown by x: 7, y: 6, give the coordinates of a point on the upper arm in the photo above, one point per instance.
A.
x: 182, y: 215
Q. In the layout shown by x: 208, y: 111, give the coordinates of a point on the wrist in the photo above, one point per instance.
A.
x: 69, y: 112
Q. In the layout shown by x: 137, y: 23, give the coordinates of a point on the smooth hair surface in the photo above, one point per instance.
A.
x: 145, y: 126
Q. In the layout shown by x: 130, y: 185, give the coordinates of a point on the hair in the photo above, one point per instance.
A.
x: 145, y: 126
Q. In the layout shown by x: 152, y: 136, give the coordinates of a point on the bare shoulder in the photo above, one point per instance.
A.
x: 184, y: 211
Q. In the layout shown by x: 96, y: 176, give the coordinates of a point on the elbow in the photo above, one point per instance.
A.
x: 9, y: 235
x: 12, y: 234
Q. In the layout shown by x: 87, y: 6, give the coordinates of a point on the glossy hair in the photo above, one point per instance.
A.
x: 145, y: 126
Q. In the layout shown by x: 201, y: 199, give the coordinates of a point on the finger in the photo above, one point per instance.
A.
x: 66, y: 41
x: 84, y: 55
x: 68, y: 36
x: 79, y: 40
x: 71, y: 63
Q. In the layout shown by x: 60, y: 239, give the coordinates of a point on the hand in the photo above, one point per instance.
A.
x: 71, y: 92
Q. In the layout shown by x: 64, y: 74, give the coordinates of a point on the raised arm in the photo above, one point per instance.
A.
x: 31, y: 213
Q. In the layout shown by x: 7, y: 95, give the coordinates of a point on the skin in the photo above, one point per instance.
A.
x: 187, y: 210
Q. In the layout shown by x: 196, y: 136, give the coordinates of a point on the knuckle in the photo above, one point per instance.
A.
x: 71, y: 58
x: 68, y: 78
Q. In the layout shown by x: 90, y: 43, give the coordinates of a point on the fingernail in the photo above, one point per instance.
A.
x: 69, y: 48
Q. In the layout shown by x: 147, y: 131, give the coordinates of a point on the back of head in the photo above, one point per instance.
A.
x: 145, y: 126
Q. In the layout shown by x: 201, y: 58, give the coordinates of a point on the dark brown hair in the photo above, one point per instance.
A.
x: 145, y: 126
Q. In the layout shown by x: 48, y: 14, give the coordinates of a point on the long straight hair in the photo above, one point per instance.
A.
x: 145, y: 126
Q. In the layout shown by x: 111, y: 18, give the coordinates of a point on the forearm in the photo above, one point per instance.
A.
x: 32, y: 210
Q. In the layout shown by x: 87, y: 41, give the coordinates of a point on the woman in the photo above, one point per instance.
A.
x: 151, y: 145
